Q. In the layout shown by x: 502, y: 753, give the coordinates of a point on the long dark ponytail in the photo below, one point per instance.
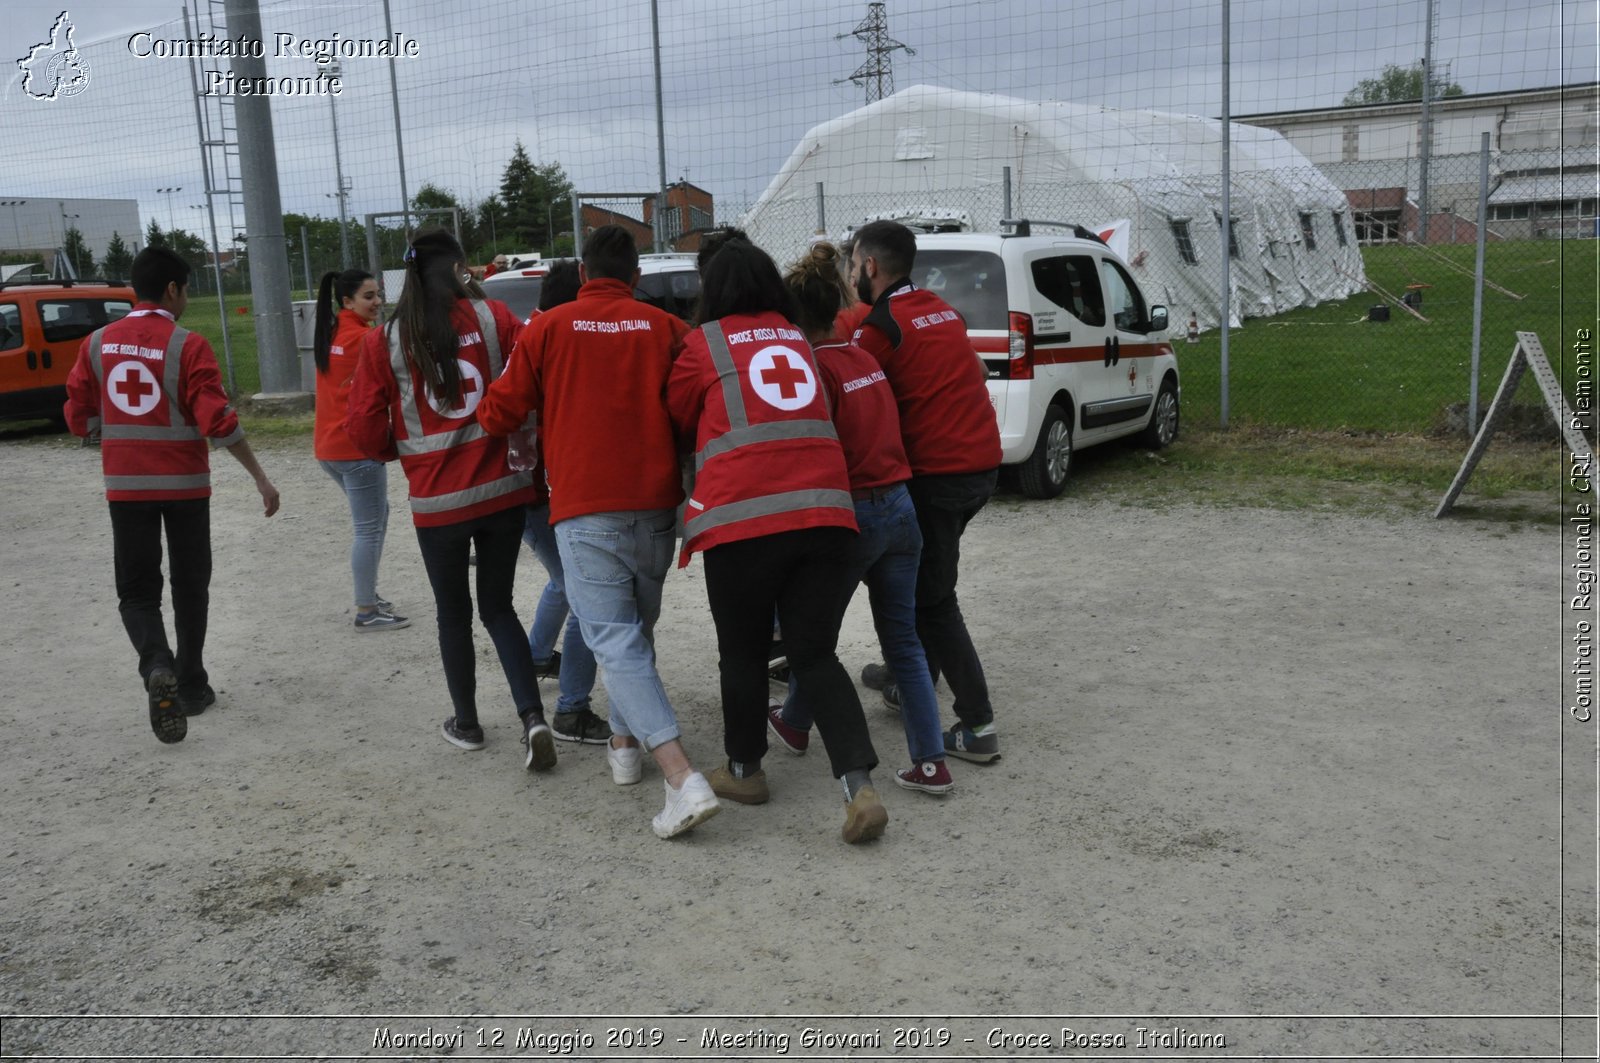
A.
x: 333, y: 290
x: 422, y: 314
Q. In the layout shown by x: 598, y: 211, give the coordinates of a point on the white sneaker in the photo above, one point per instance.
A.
x: 686, y: 807
x: 627, y: 764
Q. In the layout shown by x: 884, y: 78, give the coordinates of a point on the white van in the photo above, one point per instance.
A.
x: 1076, y: 355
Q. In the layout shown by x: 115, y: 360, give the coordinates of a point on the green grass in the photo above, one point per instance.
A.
x: 1296, y: 469
x: 1328, y: 368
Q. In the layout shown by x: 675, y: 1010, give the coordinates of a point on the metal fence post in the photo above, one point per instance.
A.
x: 1477, y: 284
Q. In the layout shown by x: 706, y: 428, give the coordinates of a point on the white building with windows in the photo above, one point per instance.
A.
x: 1543, y: 178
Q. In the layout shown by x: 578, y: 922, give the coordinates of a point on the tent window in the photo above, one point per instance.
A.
x: 1069, y: 281
x: 1233, y: 233
x: 1308, y: 232
x: 1180, y: 232
x: 1338, y: 228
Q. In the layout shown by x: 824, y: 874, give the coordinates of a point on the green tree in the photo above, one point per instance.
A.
x: 192, y: 249
x: 432, y: 197
x: 153, y: 236
x: 535, y: 200
x: 118, y: 262
x: 78, y: 253
x: 1398, y: 83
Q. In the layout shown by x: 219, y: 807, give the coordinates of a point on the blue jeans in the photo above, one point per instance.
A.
x: 886, y: 555
x: 366, y: 487
x: 615, y: 564
x: 577, y: 663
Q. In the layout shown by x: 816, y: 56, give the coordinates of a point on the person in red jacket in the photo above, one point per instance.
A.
x: 151, y: 392
x: 416, y: 390
x: 365, y: 482
x: 593, y: 371
x: 772, y: 511
x: 953, y: 444
x: 889, y: 547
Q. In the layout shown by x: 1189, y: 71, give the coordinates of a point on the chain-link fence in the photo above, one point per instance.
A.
x: 1345, y: 310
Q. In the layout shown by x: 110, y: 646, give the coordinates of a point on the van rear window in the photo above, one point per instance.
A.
x: 974, y: 282
x: 73, y: 319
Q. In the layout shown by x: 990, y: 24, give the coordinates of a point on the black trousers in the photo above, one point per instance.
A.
x: 806, y: 577
x: 136, y: 542
x: 945, y: 505
x: 445, y: 550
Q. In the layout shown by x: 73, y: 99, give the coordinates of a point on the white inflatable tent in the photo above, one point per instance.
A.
x: 940, y: 155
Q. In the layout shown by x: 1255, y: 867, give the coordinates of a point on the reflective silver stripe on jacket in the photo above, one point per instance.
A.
x: 473, y: 495
x: 158, y: 483
x: 171, y: 375
x: 763, y: 433
x: 741, y: 432
x: 766, y: 506
x: 416, y: 441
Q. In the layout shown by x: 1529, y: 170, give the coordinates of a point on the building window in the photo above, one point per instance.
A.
x: 1338, y: 229
x: 1233, y: 234
x: 1307, y: 232
x: 1180, y: 232
x: 1377, y: 226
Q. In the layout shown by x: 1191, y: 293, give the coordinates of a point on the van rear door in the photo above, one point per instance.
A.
x: 974, y: 282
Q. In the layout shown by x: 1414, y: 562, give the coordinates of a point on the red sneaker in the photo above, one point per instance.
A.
x: 929, y: 776
x: 791, y: 738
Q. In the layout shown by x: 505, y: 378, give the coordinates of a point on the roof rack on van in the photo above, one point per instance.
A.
x: 1024, y: 227
x: 45, y: 282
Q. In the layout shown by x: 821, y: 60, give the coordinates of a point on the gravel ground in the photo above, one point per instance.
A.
x: 1290, y: 780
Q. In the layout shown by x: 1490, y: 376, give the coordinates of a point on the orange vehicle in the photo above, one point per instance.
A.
x: 42, y: 324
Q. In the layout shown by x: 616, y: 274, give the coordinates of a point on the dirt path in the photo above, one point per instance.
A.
x: 1256, y: 763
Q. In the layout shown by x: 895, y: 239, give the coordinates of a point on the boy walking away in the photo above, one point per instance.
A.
x: 593, y: 371
x: 953, y: 445
x: 151, y: 392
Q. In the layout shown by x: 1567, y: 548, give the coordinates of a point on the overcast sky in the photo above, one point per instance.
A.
x: 743, y: 81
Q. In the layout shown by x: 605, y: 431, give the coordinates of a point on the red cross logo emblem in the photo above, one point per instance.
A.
x: 132, y: 389
x: 471, y: 393
x: 783, y: 378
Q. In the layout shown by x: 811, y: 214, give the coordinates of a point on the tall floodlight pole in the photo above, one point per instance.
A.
x: 1227, y: 206
x: 334, y: 70
x: 394, y: 100
x: 1425, y: 137
x: 660, y: 226
x: 171, y: 218
x: 263, y: 214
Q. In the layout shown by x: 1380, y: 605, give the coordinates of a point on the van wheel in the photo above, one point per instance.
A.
x: 1163, y: 427
x: 1044, y: 474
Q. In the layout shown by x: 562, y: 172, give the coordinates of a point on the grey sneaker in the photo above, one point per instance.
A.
x: 962, y: 741
x: 541, y: 744
x: 581, y: 726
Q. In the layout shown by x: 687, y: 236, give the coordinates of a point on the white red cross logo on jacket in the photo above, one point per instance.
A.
x: 782, y: 378
x: 132, y: 389
x: 471, y: 393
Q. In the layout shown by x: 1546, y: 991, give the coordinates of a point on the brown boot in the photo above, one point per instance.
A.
x: 864, y: 817
x: 751, y: 790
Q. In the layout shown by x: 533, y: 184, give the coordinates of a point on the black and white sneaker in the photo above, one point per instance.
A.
x: 548, y: 669
x: 380, y: 620
x: 540, y: 754
x: 581, y: 726
x: 468, y: 738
